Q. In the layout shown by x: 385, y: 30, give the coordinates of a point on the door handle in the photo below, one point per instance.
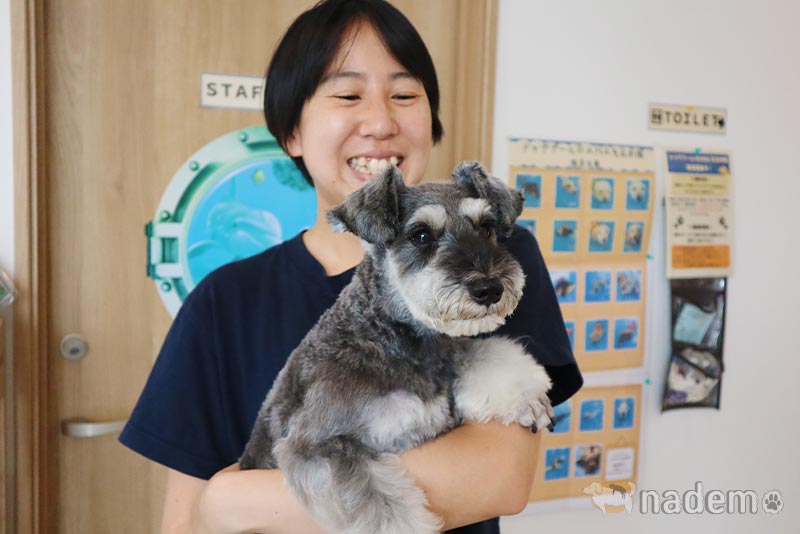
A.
x: 78, y: 427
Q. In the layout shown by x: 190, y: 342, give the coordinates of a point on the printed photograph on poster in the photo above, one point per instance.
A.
x: 602, y: 193
x: 565, y: 284
x: 588, y: 460
x: 699, y: 216
x: 562, y: 418
x: 623, y: 412
x: 591, y: 415
x: 629, y: 284
x: 568, y: 192
x: 557, y: 463
x: 597, y: 335
x: 598, y: 286
x: 626, y: 333
x: 565, y: 236
x: 531, y: 187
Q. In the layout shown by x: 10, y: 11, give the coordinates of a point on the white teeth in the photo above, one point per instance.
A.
x: 372, y: 165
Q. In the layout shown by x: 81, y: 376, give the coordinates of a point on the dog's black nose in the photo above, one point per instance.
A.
x: 486, y: 292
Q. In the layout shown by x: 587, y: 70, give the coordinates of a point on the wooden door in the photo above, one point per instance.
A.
x: 112, y: 115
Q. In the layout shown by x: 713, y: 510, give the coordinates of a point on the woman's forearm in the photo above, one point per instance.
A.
x: 498, y: 460
x: 255, y: 501
x: 476, y: 472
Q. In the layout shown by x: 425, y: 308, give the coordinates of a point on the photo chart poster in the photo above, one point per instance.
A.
x: 698, y: 213
x: 590, y: 206
x: 595, y: 438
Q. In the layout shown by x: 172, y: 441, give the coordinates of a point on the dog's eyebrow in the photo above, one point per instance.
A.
x: 474, y: 208
x: 434, y: 215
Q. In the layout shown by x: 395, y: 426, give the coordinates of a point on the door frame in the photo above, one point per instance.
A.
x: 34, y: 429
x: 29, y: 471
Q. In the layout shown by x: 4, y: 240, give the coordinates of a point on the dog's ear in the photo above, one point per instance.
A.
x: 506, y: 202
x: 373, y: 212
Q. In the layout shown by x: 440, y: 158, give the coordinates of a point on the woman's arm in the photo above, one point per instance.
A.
x: 497, y: 459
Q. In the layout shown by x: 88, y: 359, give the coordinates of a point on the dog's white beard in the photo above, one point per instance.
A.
x: 449, y: 308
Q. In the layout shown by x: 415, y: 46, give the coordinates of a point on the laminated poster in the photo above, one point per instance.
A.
x: 698, y: 213
x: 590, y: 206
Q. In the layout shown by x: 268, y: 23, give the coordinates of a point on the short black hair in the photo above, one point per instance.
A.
x: 310, y: 45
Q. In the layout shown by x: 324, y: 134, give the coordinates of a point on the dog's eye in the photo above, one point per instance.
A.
x: 423, y: 236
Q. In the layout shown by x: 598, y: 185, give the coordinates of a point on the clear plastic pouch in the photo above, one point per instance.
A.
x: 698, y: 330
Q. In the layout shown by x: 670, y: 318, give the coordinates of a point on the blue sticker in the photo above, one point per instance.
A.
x: 568, y: 191
x: 623, y: 412
x: 602, y: 193
x: 597, y: 335
x: 601, y: 237
x: 626, y: 333
x: 588, y: 460
x: 565, y: 284
x: 592, y: 415
x: 634, y: 233
x: 556, y: 463
x: 598, y: 286
x: 629, y: 285
x: 531, y: 187
x: 638, y: 195
x: 565, y: 235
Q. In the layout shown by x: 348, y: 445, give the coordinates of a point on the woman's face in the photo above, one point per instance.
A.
x: 367, y: 113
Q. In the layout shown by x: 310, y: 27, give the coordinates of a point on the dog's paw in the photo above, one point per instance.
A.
x: 502, y: 381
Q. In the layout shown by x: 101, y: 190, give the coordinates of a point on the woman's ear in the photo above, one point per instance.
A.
x: 294, y: 145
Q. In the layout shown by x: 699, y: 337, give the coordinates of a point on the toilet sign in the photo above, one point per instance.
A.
x: 231, y: 91
x: 687, y: 118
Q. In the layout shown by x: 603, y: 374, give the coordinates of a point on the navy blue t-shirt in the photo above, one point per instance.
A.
x: 236, y: 329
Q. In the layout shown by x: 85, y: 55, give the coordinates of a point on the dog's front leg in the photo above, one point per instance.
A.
x: 348, y: 488
x: 498, y: 379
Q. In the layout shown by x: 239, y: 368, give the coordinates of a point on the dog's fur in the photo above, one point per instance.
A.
x: 600, y: 233
x: 389, y: 365
x: 601, y: 190
x: 637, y: 190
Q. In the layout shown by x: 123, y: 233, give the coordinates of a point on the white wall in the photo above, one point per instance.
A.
x: 586, y: 70
x: 6, y: 162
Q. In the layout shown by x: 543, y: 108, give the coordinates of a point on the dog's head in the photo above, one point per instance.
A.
x: 637, y: 190
x: 600, y: 233
x: 436, y: 245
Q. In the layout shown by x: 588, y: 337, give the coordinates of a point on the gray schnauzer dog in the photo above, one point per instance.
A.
x: 392, y: 363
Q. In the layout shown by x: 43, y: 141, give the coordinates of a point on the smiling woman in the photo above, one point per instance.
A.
x: 351, y: 90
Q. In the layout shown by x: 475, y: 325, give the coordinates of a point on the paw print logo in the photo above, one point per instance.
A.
x: 772, y: 502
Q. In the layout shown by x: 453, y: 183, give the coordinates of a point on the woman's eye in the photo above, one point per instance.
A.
x: 350, y: 98
x: 423, y: 236
x: 404, y: 97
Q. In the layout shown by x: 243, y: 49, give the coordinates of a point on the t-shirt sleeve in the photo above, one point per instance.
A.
x: 177, y: 420
x: 537, y: 322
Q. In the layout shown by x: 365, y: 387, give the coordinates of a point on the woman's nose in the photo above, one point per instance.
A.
x: 378, y: 121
